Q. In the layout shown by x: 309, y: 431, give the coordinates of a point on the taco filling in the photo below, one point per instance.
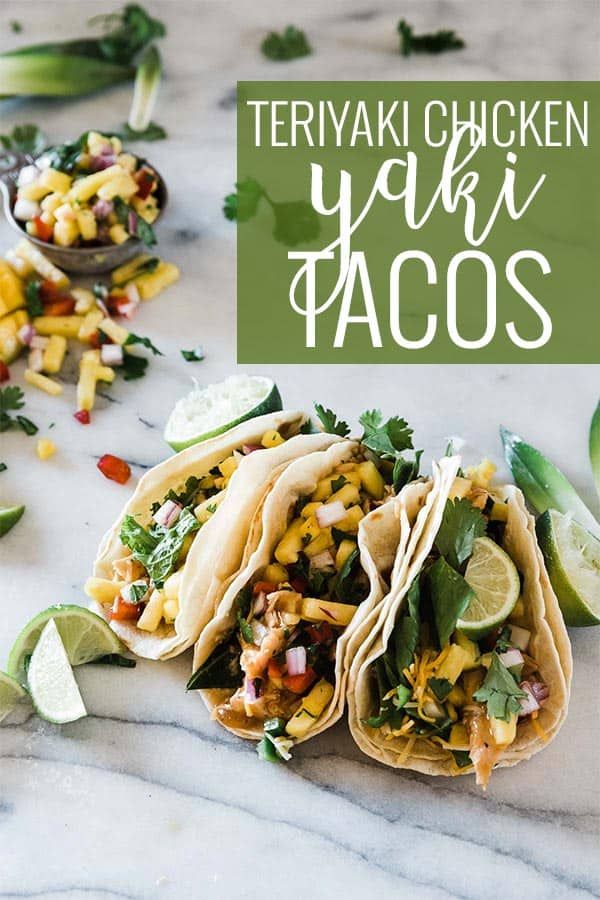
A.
x: 458, y: 669
x: 145, y: 585
x: 278, y: 664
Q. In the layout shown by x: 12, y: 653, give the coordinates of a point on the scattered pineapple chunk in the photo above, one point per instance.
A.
x: 45, y: 449
x: 459, y: 737
x: 343, y: 552
x: 150, y: 284
x: 309, y: 509
x: 52, y: 202
x: 482, y: 474
x: 88, y: 376
x: 271, y: 439
x: 351, y: 520
x: 116, y: 333
x: 150, y: 618
x: 122, y: 185
x: 54, y: 354
x: 323, y: 541
x: 117, y: 234
x: 20, y: 266
x: 503, y: 732
x: 12, y: 294
x: 371, y: 479
x: 34, y: 191
x: 67, y: 326
x: 453, y: 663
x: 311, y: 708
x: 340, y: 614
x: 348, y: 495
x: 10, y: 344
x: 86, y: 222
x: 54, y: 181
x: 42, y: 382
x: 172, y: 585
x: 102, y: 590
x: 84, y: 300
x: 290, y: 545
x: 66, y: 232
x: 84, y: 188
x: 126, y: 272
x: 41, y: 265
x: 275, y: 573
x: 89, y: 323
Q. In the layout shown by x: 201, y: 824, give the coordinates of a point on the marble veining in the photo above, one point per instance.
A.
x: 147, y: 797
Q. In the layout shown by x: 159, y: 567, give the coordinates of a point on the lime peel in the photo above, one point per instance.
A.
x: 11, y: 693
x: 52, y: 684
x: 494, y: 578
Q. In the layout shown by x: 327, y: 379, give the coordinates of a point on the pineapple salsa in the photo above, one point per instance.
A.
x: 145, y: 587
x: 280, y: 660
x: 88, y: 192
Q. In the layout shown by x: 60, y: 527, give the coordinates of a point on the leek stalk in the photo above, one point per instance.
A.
x: 145, y: 92
x: 595, y: 447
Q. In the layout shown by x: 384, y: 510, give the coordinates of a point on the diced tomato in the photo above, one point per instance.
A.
x: 297, y: 684
x: 275, y: 669
x: 114, y: 468
x: 49, y: 290
x: 120, y: 305
x: 42, y: 230
x: 62, y: 306
x: 320, y: 634
x: 145, y: 181
x: 4, y: 372
x: 266, y: 587
x: 82, y: 416
x: 125, y: 612
x: 299, y: 584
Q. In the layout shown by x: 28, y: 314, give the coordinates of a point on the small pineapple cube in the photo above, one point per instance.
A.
x: 127, y: 161
x: 12, y: 294
x: 122, y: 185
x: 310, y: 529
x: 66, y: 232
x: 68, y: 326
x: 117, y: 234
x: 275, y: 573
x: 351, y: 520
x: 348, y: 495
x: 84, y: 188
x: 271, y: 439
x: 340, y: 614
x: 309, y: 509
x: 150, y: 618
x: 149, y: 284
x: 503, y: 732
x: 323, y: 541
x: 311, y: 708
x: 453, y: 664
x: 55, y: 181
x: 52, y: 202
x: 116, y: 333
x: 42, y: 266
x: 54, y: 354
x: 170, y: 611
x: 147, y: 209
x: 88, y: 226
x: 65, y: 212
x: 84, y: 301
x: 371, y: 479
x: 228, y: 466
x: 290, y: 545
x: 88, y: 375
x: 127, y: 271
x: 482, y: 474
x: 34, y: 191
x: 459, y: 736
x: 102, y: 590
x: 20, y: 266
x: 43, y: 383
x: 343, y: 552
x: 45, y: 449
x: 90, y: 323
x: 96, y: 143
x: 172, y: 585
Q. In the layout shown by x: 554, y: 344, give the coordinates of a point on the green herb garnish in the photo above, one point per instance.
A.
x: 450, y: 597
x: 33, y: 299
x: 195, y: 355
x: 500, y: 691
x: 12, y: 399
x: 330, y: 422
x: 461, y: 524
x: 290, y: 44
x: 144, y: 341
x: 27, y: 139
x: 436, y: 42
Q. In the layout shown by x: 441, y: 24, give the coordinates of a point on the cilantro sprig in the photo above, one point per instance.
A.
x: 330, y: 422
x: 461, y: 524
x: 12, y: 399
x: 295, y: 221
x: 158, y: 548
x: 435, y: 42
x: 290, y: 44
x: 500, y: 691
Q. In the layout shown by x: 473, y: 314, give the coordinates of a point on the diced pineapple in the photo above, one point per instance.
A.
x: 459, y: 737
x: 153, y: 613
x: 126, y: 272
x: 41, y: 265
x: 290, y: 545
x: 127, y: 161
x: 102, y: 590
x: 343, y: 552
x: 503, y: 732
x: 323, y: 541
x: 453, y: 663
x: 35, y: 379
x: 54, y: 181
x: 271, y: 439
x: 48, y: 219
x: 116, y: 333
x: 68, y: 326
x: 323, y: 489
x: 54, y: 354
x: 348, y: 495
x: 460, y: 488
x: 312, y: 706
x: 117, y: 234
x: 172, y: 585
x: 84, y: 188
x: 472, y: 650
x: 499, y: 512
x: 105, y: 373
x: 66, y: 232
x: 340, y: 614
x: 20, y: 266
x: 147, y: 209
x: 52, y: 202
x: 34, y: 191
x: 12, y: 294
x: 457, y: 696
x: 205, y: 510
x: 31, y: 229
x: 228, y: 466
x: 122, y: 185
x: 87, y: 224
x: 351, y: 520
x: 116, y: 144
x: 45, y: 449
x: 65, y: 213
x: 275, y: 573
x: 371, y: 479
x: 90, y: 323
x: 10, y: 344
x: 309, y: 509
x: 170, y: 611
x: 482, y: 474
x: 84, y: 301
x: 96, y: 143
x: 149, y: 284
x: 309, y: 529
x: 352, y: 476
x: 88, y: 376
x: 185, y: 548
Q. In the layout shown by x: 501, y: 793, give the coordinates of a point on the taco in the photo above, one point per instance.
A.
x: 272, y: 664
x: 469, y: 668
x: 188, y: 520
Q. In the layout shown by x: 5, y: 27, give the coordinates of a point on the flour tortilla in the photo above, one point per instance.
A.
x: 380, y: 534
x: 218, y: 545
x: 549, y: 646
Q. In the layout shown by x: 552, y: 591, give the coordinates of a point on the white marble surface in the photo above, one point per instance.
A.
x: 147, y: 797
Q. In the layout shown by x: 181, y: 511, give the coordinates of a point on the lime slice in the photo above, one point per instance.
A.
x: 52, y: 684
x: 206, y: 412
x: 572, y: 557
x: 9, y: 516
x: 84, y: 634
x: 11, y: 693
x: 493, y: 576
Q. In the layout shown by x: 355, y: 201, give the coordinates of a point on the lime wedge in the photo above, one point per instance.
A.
x: 52, y: 684
x: 11, y: 693
x: 493, y: 576
x: 9, y: 516
x: 206, y: 412
x: 84, y: 634
x: 572, y: 557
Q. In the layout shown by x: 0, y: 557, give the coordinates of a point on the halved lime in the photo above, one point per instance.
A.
x: 84, y: 634
x: 9, y: 516
x: 11, y: 693
x: 52, y: 684
x: 206, y: 412
x: 572, y: 557
x: 493, y: 576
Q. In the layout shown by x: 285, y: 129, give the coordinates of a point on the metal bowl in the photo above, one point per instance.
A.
x: 83, y: 260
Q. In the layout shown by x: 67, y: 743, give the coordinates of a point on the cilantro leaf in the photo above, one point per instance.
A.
x: 221, y: 670
x: 26, y: 425
x: 386, y: 439
x: 137, y: 591
x: 405, y: 471
x: 499, y: 691
x: 242, y: 205
x: 12, y: 398
x: 242, y: 609
x: 437, y: 42
x: 65, y: 156
x: 152, y: 132
x: 406, y: 632
x: 450, y: 597
x: 33, y: 299
x: 144, y: 341
x: 330, y: 422
x: 461, y: 524
x: 440, y: 688
x: 158, y: 548
x: 27, y: 139
x: 145, y: 232
x: 338, y: 483
x: 140, y: 541
x: 3, y: 467
x: 195, y: 355
x: 290, y: 44
x: 296, y: 222
x: 133, y: 366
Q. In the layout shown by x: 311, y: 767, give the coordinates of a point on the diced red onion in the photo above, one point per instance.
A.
x: 25, y: 334
x: 295, y: 659
x: 39, y: 342
x: 127, y: 309
x: 102, y: 209
x: 528, y: 703
x: 35, y: 360
x: 132, y: 221
x: 253, y: 688
x: 328, y: 614
x: 539, y: 690
x: 103, y: 160
x: 24, y: 210
x: 27, y: 175
x: 330, y: 513
x: 260, y: 604
x: 111, y: 354
x: 519, y: 637
x: 168, y: 513
x: 511, y: 658
x: 250, y: 448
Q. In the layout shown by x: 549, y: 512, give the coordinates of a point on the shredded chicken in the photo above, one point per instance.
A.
x: 483, y: 751
x: 254, y: 660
